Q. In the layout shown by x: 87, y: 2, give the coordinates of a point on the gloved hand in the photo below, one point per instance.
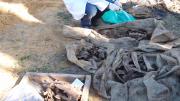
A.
x: 118, y: 3
x: 114, y: 7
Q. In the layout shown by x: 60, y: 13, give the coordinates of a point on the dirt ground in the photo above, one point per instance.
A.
x: 36, y: 46
x: 31, y: 39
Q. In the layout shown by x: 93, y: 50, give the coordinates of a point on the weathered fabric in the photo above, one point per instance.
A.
x: 142, y: 60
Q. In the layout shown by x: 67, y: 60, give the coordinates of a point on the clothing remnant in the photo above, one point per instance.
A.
x: 141, y: 58
x: 138, y: 65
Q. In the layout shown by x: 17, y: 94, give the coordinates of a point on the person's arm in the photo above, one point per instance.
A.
x: 118, y: 3
x: 101, y: 4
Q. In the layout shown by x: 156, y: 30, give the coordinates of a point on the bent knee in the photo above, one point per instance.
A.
x: 91, y: 10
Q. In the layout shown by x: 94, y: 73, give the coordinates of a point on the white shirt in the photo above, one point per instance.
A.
x: 77, y: 7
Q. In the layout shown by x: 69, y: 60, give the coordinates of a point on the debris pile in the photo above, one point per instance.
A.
x: 134, y: 66
x: 170, y: 5
x: 156, y: 11
x: 51, y: 87
x: 92, y: 53
x: 142, y: 57
x: 139, y: 34
x: 60, y: 91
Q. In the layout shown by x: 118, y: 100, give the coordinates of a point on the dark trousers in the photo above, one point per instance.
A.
x: 92, y: 14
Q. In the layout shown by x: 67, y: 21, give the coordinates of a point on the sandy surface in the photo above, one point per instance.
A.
x: 32, y: 44
x: 31, y: 39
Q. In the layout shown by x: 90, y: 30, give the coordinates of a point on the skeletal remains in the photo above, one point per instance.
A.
x: 60, y: 91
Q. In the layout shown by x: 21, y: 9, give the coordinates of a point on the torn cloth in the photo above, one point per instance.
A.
x: 145, y: 68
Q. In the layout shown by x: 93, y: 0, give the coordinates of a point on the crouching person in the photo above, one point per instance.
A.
x: 88, y: 11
